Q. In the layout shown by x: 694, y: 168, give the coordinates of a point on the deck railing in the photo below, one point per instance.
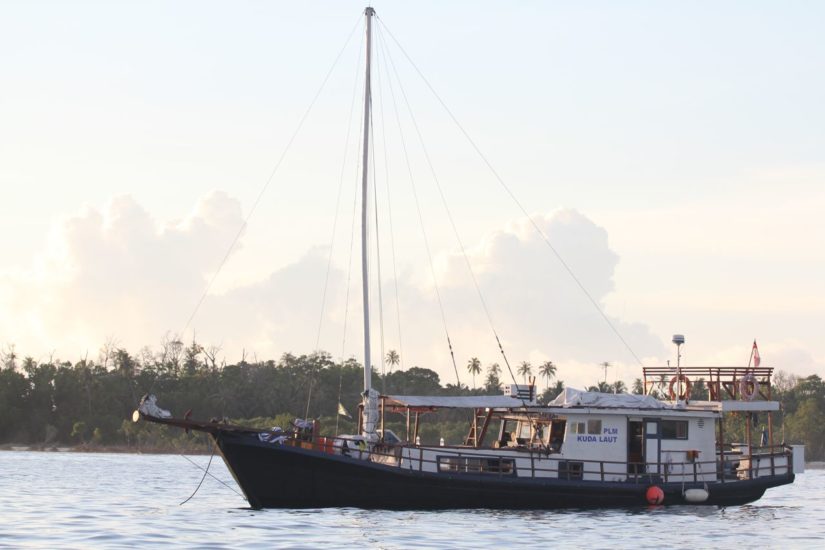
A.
x: 462, y: 460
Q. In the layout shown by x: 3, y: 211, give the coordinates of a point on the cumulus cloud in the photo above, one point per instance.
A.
x: 119, y: 272
x: 116, y: 271
x: 537, y: 307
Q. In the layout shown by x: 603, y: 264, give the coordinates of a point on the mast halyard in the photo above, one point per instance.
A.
x: 370, y: 396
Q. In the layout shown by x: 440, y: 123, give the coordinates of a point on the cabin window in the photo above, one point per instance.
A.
x: 674, y: 429
x: 592, y: 427
x: 569, y: 469
x: 476, y: 465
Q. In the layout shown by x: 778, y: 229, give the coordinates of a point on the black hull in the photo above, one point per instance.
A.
x: 280, y: 476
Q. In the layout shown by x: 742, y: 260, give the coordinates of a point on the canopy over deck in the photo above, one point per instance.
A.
x: 571, y: 397
x: 456, y: 402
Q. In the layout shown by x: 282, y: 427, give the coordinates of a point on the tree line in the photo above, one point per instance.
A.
x: 90, y: 402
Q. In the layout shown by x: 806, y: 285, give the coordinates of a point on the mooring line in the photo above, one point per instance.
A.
x: 205, y: 473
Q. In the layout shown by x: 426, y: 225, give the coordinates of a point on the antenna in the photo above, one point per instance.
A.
x: 678, y: 339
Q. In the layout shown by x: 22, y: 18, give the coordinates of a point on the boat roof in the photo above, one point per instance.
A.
x: 572, y: 397
x: 569, y: 398
x: 573, y: 400
x: 458, y: 402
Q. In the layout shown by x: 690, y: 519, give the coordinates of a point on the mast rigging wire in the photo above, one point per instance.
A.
x: 378, y: 256
x: 512, y: 196
x: 346, y: 300
x: 338, y: 197
x: 420, y: 216
x: 335, y: 222
x: 524, y: 403
x: 450, y: 216
x: 349, y: 282
x: 389, y: 208
x: 269, y: 179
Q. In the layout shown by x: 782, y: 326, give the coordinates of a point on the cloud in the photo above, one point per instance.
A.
x: 789, y: 355
x: 116, y: 272
x: 538, y: 309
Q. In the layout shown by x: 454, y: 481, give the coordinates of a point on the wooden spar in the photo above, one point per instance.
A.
x: 196, y: 425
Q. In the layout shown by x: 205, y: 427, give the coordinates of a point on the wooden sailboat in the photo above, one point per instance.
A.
x: 584, y: 449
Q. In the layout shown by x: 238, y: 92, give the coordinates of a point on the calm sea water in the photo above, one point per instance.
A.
x: 75, y: 500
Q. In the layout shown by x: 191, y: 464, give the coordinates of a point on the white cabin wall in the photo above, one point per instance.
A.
x: 609, y: 446
x: 702, y: 438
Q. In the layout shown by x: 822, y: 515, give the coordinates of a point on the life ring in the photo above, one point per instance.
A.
x: 748, y: 387
x: 686, y: 386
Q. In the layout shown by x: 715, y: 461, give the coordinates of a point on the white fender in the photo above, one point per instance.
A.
x: 696, y: 496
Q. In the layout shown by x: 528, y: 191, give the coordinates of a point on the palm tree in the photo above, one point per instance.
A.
x: 492, y: 382
x: 605, y: 365
x: 525, y: 369
x: 601, y: 387
x: 474, y: 367
x: 392, y: 359
x: 548, y: 371
x: 619, y: 387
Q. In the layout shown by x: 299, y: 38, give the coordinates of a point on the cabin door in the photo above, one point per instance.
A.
x: 653, y: 448
x: 635, y: 448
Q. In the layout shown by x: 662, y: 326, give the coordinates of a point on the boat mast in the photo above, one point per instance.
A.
x: 370, y: 402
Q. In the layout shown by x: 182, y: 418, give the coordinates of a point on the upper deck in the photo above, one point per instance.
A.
x: 733, y: 383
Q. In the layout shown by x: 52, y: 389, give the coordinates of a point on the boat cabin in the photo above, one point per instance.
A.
x: 594, y: 436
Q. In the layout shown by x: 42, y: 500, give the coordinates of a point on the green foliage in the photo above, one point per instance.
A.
x: 57, y: 402
x: 551, y: 392
x: 91, y: 403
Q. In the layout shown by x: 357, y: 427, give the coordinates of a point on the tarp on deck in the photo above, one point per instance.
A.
x: 457, y: 402
x: 571, y: 397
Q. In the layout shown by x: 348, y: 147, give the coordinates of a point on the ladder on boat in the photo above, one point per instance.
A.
x: 481, y: 420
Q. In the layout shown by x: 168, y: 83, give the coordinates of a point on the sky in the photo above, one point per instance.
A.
x: 673, y: 154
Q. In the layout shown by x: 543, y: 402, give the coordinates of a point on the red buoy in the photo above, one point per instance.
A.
x: 655, y: 495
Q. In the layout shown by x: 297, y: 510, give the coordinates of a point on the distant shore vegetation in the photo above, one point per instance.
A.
x: 88, y: 404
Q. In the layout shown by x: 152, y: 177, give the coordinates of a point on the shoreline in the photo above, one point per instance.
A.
x: 114, y: 449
